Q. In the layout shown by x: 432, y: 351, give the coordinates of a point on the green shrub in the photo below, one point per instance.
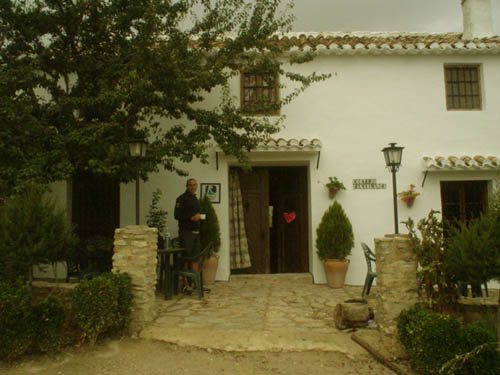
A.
x: 15, y: 320
x: 471, y: 254
x: 48, y: 321
x: 32, y: 231
x: 431, y: 340
x: 209, y: 228
x: 430, y: 250
x: 334, y: 236
x: 102, y: 305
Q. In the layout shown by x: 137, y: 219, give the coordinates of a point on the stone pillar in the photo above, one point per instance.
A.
x: 135, y: 254
x: 397, y: 287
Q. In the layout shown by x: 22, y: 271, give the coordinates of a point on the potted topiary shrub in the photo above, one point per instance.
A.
x: 209, y: 233
x: 334, y: 241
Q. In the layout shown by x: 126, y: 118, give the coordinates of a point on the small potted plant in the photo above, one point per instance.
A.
x: 334, y: 185
x: 334, y: 241
x: 408, y: 196
x: 157, y: 217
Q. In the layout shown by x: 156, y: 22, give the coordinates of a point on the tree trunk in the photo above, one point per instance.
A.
x: 352, y: 315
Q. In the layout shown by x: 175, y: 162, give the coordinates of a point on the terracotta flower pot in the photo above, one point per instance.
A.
x: 210, y: 269
x: 332, y: 192
x: 409, y: 201
x: 335, y: 271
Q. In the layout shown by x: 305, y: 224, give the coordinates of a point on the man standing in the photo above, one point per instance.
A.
x: 187, y: 213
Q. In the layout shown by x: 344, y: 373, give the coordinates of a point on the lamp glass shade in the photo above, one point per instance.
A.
x: 393, y: 155
x: 137, y: 148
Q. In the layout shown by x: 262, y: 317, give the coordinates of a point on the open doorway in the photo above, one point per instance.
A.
x: 276, y: 219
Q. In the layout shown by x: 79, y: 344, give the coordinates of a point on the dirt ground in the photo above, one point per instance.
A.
x: 147, y: 357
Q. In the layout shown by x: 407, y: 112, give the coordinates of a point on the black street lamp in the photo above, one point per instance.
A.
x: 137, y: 149
x: 393, y: 155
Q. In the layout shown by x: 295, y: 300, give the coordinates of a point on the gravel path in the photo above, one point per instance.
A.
x: 148, y: 357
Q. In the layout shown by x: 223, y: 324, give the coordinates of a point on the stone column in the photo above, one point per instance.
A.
x: 397, y: 287
x: 135, y: 254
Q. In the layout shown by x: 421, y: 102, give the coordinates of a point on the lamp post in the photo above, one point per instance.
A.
x: 137, y: 149
x: 393, y: 155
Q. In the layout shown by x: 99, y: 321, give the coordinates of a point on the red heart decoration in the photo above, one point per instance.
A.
x: 289, y: 217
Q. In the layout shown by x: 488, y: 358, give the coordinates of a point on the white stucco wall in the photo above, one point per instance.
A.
x: 369, y: 102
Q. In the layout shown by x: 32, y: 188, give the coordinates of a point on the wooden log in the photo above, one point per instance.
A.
x: 352, y: 315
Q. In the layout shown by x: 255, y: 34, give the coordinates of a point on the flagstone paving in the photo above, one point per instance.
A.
x: 279, y: 312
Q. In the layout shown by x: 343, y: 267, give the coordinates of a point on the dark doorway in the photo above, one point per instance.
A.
x: 95, y: 206
x: 276, y: 219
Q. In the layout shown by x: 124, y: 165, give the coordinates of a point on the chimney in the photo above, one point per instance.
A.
x: 478, y: 21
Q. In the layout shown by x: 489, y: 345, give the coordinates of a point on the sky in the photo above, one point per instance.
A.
x: 383, y: 15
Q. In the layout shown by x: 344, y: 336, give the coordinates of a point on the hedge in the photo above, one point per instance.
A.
x: 102, y: 305
x: 432, y: 339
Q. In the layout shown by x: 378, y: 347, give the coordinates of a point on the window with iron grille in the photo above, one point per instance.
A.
x: 463, y: 89
x: 463, y: 200
x: 259, y: 94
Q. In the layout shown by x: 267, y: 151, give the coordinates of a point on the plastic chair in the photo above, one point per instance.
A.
x: 195, y: 275
x: 370, y: 275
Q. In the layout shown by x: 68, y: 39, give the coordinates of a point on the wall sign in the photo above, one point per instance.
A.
x: 212, y: 191
x: 367, y: 183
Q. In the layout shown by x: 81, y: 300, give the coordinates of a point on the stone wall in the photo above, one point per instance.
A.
x: 135, y: 254
x: 397, y: 287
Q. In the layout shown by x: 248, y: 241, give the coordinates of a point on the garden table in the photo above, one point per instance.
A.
x: 167, y: 260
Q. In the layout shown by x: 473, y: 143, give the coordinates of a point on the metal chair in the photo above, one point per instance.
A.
x: 195, y: 274
x: 370, y: 275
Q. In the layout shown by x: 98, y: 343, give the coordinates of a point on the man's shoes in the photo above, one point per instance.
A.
x: 187, y: 291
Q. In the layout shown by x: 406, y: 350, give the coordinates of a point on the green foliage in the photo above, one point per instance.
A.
x: 432, y: 339
x: 335, y: 184
x: 472, y: 256
x: 209, y: 228
x: 32, y: 231
x: 157, y: 217
x: 430, y: 250
x: 102, y: 305
x: 15, y: 320
x: 82, y: 77
x: 25, y: 327
x: 334, y: 236
x: 48, y: 321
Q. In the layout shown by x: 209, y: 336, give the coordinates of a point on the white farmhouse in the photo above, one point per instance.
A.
x: 437, y: 95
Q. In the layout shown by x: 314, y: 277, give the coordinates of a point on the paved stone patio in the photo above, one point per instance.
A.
x: 255, y: 313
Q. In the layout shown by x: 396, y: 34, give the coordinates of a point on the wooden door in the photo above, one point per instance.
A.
x: 95, y: 206
x: 289, y: 239
x: 255, y: 193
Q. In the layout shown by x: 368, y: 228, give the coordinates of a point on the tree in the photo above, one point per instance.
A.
x: 78, y: 78
x: 33, y: 230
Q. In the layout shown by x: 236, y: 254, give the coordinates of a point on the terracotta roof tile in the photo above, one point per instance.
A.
x: 389, y: 42
x: 464, y: 162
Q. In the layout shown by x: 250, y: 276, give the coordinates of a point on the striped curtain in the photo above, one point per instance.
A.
x: 240, y: 257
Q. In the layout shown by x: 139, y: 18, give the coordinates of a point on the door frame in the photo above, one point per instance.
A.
x: 282, y: 159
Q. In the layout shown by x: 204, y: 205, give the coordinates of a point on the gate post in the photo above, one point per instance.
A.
x: 135, y: 253
x: 397, y: 286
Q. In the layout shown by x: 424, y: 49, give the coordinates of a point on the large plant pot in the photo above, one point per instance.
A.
x: 210, y: 269
x: 335, y: 271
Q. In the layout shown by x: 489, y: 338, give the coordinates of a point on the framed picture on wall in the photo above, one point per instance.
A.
x: 212, y: 191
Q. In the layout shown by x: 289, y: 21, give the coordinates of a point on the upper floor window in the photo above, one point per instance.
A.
x: 259, y: 94
x: 463, y: 89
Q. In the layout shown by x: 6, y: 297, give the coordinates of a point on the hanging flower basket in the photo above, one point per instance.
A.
x: 334, y: 185
x: 408, y: 196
